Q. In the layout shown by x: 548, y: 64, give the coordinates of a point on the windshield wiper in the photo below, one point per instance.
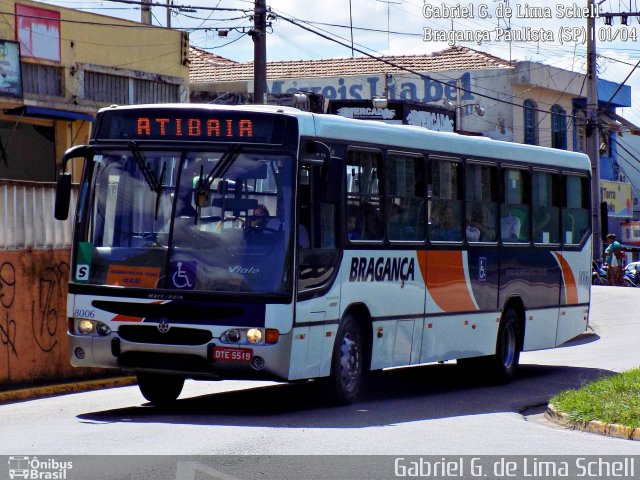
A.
x: 219, y: 169
x: 147, y: 173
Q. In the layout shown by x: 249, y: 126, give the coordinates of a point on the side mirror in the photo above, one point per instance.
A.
x: 63, y: 186
x: 63, y: 196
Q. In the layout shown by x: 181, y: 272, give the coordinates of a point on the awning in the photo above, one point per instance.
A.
x: 50, y: 113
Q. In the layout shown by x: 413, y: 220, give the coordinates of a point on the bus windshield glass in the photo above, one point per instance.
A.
x: 214, y: 221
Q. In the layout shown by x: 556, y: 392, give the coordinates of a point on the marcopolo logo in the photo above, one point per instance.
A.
x: 36, y: 469
x: 381, y: 269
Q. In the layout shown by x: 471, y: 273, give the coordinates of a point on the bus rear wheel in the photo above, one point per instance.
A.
x: 502, y: 366
x: 160, y: 389
x: 347, y: 364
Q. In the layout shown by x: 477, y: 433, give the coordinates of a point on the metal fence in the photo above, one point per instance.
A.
x: 27, y: 220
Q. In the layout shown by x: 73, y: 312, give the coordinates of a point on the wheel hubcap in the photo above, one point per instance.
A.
x: 508, y: 347
x: 349, y: 362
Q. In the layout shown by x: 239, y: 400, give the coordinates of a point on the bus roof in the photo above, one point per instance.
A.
x: 334, y: 127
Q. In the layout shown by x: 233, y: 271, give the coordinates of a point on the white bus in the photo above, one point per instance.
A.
x: 268, y: 243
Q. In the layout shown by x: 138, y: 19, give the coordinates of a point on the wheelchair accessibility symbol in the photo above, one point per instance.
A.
x: 183, y: 275
x: 482, y: 269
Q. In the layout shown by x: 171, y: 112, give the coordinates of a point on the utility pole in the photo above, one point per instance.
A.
x: 260, y: 52
x: 592, y: 132
x: 169, y: 13
x: 388, y: 2
x: 145, y: 12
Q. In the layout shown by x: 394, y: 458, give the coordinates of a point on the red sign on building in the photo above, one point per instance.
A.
x: 38, y: 31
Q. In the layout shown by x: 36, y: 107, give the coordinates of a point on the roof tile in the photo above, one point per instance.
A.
x: 219, y: 69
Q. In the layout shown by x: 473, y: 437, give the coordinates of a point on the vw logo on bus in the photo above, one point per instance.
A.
x: 164, y: 327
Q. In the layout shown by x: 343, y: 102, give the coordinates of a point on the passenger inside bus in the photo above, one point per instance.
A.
x: 444, y: 222
x: 510, y: 226
x: 480, y: 227
x: 353, y: 231
x: 372, y: 224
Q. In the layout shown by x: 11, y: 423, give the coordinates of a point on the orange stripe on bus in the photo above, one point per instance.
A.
x: 446, y: 281
x: 570, y: 285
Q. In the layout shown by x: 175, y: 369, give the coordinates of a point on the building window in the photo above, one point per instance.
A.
x: 42, y: 79
x: 558, y: 127
x: 101, y: 87
x: 147, y: 91
x: 530, y: 122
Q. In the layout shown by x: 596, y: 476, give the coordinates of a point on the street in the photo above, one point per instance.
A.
x: 427, y: 410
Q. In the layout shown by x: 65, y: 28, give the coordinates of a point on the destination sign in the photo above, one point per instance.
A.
x: 193, y: 125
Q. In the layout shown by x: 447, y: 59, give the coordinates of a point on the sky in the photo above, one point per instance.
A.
x: 397, y: 27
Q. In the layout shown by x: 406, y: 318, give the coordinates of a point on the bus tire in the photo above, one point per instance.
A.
x: 160, y: 389
x: 347, y: 364
x: 503, y: 365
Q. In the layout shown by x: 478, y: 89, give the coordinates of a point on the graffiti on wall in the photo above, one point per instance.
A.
x: 44, y: 318
x: 8, y: 326
x: 45, y: 307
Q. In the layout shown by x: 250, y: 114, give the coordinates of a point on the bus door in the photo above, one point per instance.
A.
x: 317, y: 307
x: 575, y: 259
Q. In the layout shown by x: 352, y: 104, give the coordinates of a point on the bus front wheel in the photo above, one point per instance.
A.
x: 347, y: 365
x: 160, y: 389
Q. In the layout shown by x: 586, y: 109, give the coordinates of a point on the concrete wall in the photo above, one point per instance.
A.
x: 33, y: 317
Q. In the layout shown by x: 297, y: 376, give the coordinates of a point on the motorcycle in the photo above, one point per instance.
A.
x: 631, y: 275
x: 598, y: 274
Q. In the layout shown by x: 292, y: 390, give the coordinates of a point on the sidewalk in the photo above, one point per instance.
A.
x: 39, y: 391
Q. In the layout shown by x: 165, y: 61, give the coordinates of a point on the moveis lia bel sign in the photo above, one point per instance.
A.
x: 423, y: 89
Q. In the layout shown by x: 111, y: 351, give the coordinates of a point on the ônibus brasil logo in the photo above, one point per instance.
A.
x: 35, y: 469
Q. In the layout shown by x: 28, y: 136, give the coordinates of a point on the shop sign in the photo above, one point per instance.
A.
x: 617, y: 195
x: 10, y: 73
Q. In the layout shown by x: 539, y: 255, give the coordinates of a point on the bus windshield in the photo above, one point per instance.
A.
x: 209, y: 221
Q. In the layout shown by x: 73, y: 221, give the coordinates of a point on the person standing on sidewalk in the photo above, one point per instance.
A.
x: 614, y: 258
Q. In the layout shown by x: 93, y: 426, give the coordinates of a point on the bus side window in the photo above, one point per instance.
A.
x: 546, y: 207
x: 445, y: 203
x: 482, y: 204
x: 514, y: 213
x: 363, y: 169
x: 575, y: 211
x: 405, y: 197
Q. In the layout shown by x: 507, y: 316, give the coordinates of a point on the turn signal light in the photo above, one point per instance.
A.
x: 271, y: 335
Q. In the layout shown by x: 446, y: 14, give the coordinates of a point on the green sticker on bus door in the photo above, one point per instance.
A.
x: 83, y: 263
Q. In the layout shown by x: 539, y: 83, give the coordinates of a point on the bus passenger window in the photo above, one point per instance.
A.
x: 546, y: 207
x: 575, y: 214
x: 363, y: 194
x: 514, y: 214
x: 405, y: 197
x: 445, y: 212
x: 482, y: 205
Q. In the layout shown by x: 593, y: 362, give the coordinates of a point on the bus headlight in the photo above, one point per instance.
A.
x: 85, y: 326
x: 254, y: 335
x: 244, y: 336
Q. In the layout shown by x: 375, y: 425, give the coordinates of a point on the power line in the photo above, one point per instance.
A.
x: 177, y: 7
x: 400, y: 67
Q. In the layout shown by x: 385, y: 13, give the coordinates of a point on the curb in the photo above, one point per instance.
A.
x: 592, y: 426
x: 64, y: 388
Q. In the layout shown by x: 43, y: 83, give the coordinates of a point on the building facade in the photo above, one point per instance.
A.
x: 60, y: 66
x: 57, y: 68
